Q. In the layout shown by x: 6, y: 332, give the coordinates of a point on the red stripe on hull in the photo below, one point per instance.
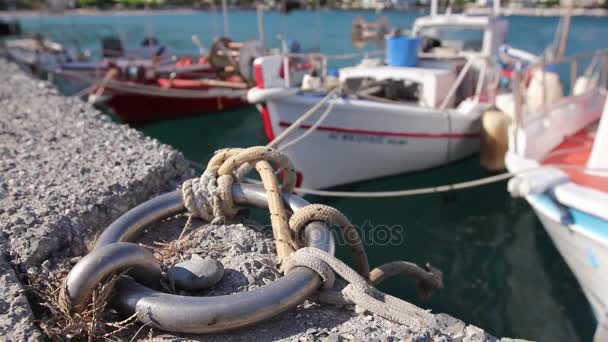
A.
x: 386, y: 133
x: 137, y: 109
x: 266, y: 121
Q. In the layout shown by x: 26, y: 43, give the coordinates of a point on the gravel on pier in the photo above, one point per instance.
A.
x: 67, y: 171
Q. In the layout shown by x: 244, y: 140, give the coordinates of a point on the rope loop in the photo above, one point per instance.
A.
x: 359, y: 291
x: 203, y: 198
x: 331, y: 217
x: 255, y: 154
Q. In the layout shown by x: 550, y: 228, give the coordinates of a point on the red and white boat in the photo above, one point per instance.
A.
x: 406, y: 119
x: 559, y: 149
x: 168, y: 98
x: 143, y: 90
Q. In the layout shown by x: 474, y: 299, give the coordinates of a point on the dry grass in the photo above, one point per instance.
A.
x: 56, y: 321
x: 97, y: 322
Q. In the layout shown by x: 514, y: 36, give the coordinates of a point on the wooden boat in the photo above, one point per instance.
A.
x: 388, y: 119
x: 560, y: 151
x: 143, y: 91
x: 77, y: 76
x: 171, y: 98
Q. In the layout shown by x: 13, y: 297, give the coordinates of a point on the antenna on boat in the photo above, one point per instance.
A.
x: 225, y: 17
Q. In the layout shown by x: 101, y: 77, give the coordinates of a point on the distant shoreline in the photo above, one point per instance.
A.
x: 526, y: 11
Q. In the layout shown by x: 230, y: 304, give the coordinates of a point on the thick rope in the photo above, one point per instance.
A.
x: 244, y: 170
x: 310, y: 129
x: 358, y: 291
x: 331, y: 216
x: 296, y: 124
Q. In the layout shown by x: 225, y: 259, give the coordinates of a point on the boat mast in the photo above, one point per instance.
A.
x: 260, y: 11
x: 225, y: 17
x: 318, y: 24
x: 216, y: 29
x: 434, y: 7
x: 149, y: 32
x: 496, y: 4
x: 564, y: 33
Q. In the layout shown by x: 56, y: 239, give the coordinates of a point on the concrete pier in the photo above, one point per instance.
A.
x: 66, y: 172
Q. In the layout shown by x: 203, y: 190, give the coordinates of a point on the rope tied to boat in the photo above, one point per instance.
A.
x: 359, y: 291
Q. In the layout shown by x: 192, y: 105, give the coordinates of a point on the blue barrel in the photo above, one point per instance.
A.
x: 402, y: 51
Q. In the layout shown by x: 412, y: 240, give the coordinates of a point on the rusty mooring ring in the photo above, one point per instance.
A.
x: 196, y: 314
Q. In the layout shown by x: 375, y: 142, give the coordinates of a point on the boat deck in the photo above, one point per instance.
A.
x: 575, y: 151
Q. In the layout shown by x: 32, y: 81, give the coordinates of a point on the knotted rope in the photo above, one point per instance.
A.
x: 210, y: 198
x: 331, y: 216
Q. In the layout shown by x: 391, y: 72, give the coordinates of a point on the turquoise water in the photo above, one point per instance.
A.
x: 501, y: 270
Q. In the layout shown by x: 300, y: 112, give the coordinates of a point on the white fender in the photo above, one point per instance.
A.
x: 257, y: 95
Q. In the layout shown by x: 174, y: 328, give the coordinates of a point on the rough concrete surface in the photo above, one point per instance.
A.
x: 66, y: 171
x: 16, y: 321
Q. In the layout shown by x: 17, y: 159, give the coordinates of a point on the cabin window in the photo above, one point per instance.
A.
x: 454, y: 37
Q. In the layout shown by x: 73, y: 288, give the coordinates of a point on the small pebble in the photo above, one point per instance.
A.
x: 196, y: 273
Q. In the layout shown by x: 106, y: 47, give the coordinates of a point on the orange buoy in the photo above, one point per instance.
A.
x: 494, y: 140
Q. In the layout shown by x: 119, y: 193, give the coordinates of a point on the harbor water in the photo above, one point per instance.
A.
x: 501, y: 270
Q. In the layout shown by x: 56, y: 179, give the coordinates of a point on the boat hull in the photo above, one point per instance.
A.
x: 73, y: 84
x: 138, y: 109
x: 583, y: 245
x: 361, y: 140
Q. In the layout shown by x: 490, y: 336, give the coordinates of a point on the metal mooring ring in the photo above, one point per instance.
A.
x: 198, y: 314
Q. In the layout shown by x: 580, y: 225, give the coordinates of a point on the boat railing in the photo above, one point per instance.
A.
x: 486, y: 66
x: 322, y: 60
x: 596, y: 73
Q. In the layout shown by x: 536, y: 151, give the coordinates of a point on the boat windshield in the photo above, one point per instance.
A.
x: 455, y: 37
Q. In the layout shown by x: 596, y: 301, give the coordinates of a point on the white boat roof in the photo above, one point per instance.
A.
x: 456, y: 20
x: 495, y: 29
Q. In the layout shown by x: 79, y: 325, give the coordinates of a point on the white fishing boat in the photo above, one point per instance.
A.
x: 388, y: 118
x: 559, y: 149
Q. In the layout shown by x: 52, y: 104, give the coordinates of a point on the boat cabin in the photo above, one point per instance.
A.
x: 448, y: 64
x: 448, y: 46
